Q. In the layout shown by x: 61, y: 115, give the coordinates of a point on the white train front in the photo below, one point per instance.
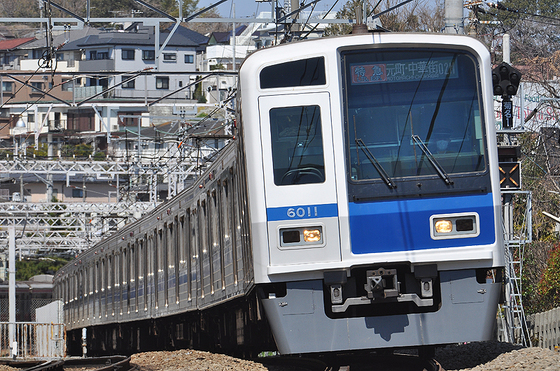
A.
x: 365, y: 209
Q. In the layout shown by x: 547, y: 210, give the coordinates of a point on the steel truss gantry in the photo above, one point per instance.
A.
x: 517, y: 233
x: 101, y: 170
x: 44, y: 227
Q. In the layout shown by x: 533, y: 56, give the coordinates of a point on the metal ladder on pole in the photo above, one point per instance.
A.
x: 512, y: 314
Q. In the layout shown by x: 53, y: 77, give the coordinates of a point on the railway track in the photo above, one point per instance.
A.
x: 112, y: 363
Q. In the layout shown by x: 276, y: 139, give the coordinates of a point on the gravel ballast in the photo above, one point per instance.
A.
x: 483, y: 356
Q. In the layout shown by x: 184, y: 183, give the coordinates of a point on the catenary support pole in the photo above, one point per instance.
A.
x: 12, y: 288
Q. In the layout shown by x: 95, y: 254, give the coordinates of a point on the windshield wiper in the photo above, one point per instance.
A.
x: 376, y: 164
x: 432, y: 159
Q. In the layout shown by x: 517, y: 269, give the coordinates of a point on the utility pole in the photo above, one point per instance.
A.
x: 295, y: 5
x: 234, y: 39
x: 454, y: 17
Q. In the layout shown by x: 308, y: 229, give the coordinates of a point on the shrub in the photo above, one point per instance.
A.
x: 549, y: 285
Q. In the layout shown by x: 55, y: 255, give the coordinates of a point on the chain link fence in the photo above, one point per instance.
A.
x: 25, y: 308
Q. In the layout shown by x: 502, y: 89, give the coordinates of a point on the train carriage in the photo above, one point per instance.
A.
x: 358, y: 208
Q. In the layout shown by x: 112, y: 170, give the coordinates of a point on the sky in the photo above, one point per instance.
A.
x: 249, y: 8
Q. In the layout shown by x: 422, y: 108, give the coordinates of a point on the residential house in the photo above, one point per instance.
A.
x: 95, y: 59
x: 10, y: 53
x: 126, y: 54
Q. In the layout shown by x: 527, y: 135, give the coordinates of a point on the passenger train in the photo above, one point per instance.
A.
x: 357, y: 208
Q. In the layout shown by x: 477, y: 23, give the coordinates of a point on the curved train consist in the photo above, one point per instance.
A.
x: 358, y: 208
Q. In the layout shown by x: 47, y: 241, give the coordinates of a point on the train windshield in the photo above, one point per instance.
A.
x: 412, y: 113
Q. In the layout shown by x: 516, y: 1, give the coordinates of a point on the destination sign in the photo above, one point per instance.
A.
x: 403, y: 71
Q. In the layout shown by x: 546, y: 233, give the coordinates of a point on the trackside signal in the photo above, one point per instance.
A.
x: 505, y: 79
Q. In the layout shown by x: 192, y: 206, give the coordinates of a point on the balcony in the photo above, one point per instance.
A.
x: 96, y: 65
x: 89, y: 91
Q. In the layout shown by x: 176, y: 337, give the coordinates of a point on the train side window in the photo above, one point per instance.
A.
x: 124, y: 289
x: 175, y: 245
x: 95, y: 286
x: 191, y: 252
x: 181, y: 241
x: 304, y: 72
x: 201, y: 245
x: 103, y: 275
x: 297, y: 145
x: 104, y: 294
x: 166, y: 244
x: 148, y: 260
x: 113, y: 268
x: 135, y: 271
x: 225, y: 214
x: 123, y: 279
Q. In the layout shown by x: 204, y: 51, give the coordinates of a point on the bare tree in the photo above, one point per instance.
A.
x: 416, y: 16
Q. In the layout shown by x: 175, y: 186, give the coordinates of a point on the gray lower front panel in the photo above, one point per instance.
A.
x: 467, y: 313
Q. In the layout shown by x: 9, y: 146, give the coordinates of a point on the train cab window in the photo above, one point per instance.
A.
x: 304, y: 72
x: 410, y: 116
x: 297, y: 145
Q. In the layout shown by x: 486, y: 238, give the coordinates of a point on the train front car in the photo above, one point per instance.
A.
x: 373, y: 191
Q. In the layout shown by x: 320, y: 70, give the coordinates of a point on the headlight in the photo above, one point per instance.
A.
x: 444, y: 226
x: 312, y: 235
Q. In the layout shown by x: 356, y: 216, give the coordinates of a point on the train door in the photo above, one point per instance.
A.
x: 299, y: 178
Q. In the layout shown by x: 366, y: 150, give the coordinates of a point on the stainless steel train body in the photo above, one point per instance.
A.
x: 358, y: 209
x: 144, y: 287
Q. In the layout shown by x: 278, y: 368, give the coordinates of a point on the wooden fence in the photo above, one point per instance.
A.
x: 544, y: 329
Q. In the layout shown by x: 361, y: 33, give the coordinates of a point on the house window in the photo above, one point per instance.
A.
x: 128, y: 54
x: 96, y: 55
x: 170, y: 57
x: 77, y: 193
x: 59, y: 56
x: 189, y: 58
x: 162, y: 82
x: 36, y: 85
x: 148, y: 55
x: 128, y: 85
x: 67, y: 85
x: 7, y: 86
x: 30, y: 117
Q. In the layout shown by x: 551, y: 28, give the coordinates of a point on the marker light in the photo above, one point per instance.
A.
x: 312, y: 235
x: 444, y: 226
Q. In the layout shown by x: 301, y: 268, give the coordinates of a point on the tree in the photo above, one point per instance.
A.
x: 172, y: 7
x: 549, y: 286
x: 18, y: 8
x: 25, y: 269
x: 209, y: 27
x: 111, y: 8
x: 531, y: 26
x: 417, y: 16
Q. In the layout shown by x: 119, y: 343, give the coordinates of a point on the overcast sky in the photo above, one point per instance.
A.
x: 250, y: 8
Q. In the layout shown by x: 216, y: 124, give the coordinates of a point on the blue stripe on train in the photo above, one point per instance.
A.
x: 404, y: 225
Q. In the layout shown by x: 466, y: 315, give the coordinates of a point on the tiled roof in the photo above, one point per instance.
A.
x: 14, y: 43
x: 143, y: 37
